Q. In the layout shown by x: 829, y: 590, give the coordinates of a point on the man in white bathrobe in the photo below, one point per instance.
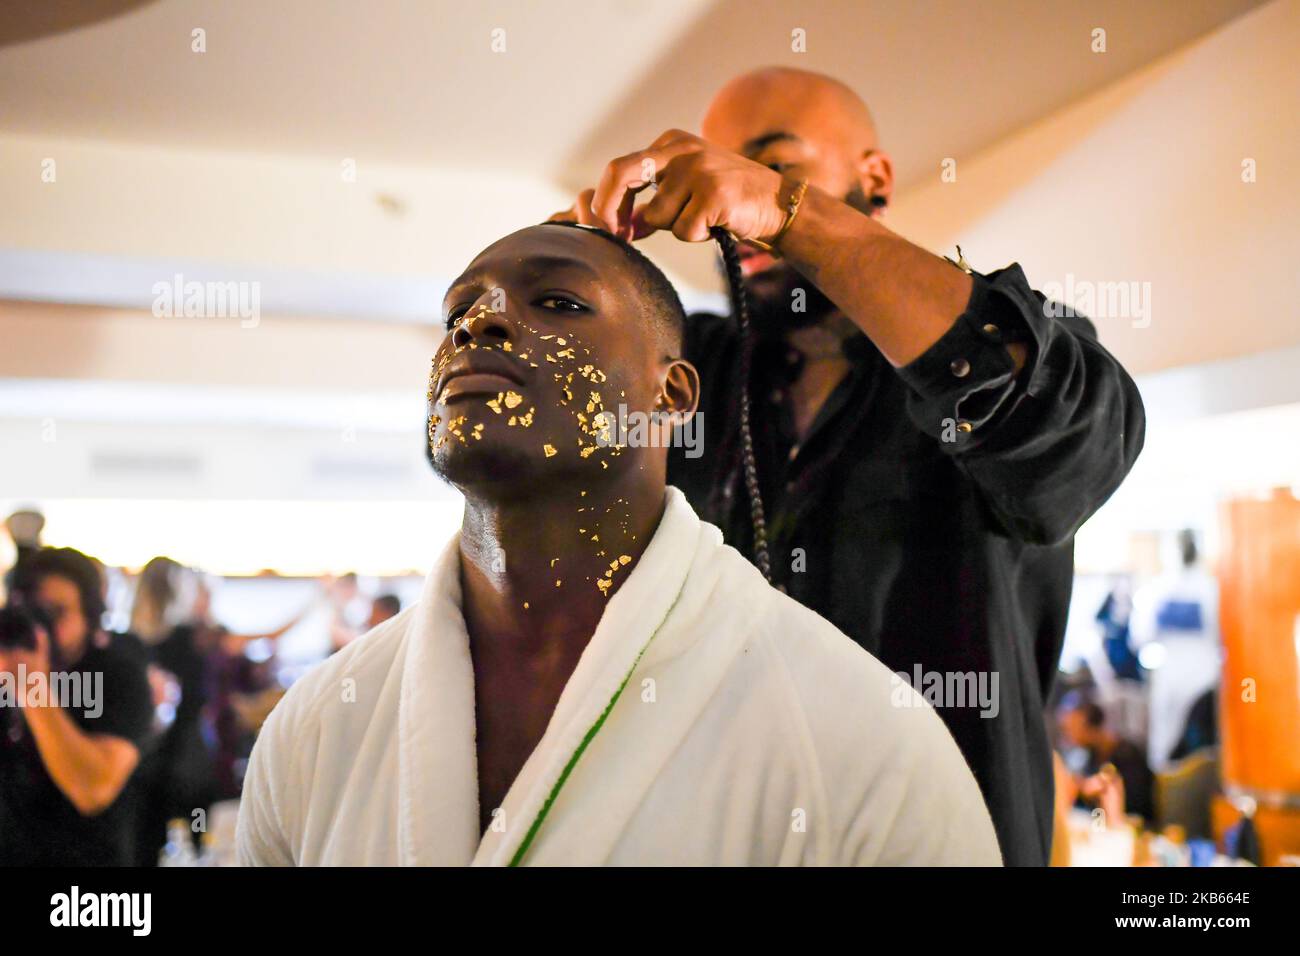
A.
x: 591, y: 676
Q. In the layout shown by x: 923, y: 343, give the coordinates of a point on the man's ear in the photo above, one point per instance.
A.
x: 876, y: 177
x: 679, y: 390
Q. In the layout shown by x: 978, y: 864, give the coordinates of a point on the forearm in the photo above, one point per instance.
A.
x: 902, y: 297
x: 84, y: 769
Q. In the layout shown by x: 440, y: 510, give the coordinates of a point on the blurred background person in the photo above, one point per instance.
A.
x: 1110, y: 771
x: 199, y: 670
x: 24, y: 528
x: 1175, y: 626
x: 382, y: 608
x: 68, y: 792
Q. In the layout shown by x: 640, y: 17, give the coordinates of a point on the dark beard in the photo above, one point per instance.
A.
x: 773, y: 295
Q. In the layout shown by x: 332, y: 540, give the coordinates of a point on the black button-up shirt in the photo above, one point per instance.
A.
x: 929, y: 512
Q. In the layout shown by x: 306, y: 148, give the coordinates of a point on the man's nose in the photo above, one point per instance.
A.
x: 483, y: 325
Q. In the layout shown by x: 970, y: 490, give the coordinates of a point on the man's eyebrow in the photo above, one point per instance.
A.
x: 758, y: 142
x: 541, y: 262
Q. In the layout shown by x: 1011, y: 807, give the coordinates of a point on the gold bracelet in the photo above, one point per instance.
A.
x: 791, y: 210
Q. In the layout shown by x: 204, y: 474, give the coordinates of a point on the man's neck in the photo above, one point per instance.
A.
x: 537, y: 571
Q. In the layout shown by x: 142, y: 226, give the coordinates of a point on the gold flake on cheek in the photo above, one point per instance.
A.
x: 549, y: 449
x: 512, y: 399
x: 525, y: 605
x: 507, y: 347
x: 495, y: 403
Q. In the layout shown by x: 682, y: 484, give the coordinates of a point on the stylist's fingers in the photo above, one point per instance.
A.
x: 661, y: 212
x: 692, y: 225
x: 631, y: 173
x: 579, y: 212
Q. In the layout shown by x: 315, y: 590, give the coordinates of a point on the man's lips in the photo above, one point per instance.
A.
x: 754, y: 260
x: 481, y: 371
x: 475, y: 383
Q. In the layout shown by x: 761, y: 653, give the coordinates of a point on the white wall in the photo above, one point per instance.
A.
x: 1143, y: 182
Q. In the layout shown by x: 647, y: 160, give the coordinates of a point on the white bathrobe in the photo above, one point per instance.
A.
x: 749, y: 731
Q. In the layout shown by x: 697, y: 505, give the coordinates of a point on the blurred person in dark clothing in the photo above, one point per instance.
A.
x: 1098, y: 755
x: 192, y: 766
x: 68, y: 794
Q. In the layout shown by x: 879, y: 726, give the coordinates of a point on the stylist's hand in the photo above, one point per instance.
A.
x: 698, y: 186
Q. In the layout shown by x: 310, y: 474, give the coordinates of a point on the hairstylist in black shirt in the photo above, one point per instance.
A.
x: 928, y: 439
x: 76, y: 712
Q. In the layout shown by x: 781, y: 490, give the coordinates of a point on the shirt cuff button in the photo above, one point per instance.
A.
x: 963, y: 426
x: 960, y: 367
x: 991, y: 329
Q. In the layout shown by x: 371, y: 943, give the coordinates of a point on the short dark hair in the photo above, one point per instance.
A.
x: 666, y: 305
x: 1078, y: 700
x: 67, y: 563
x: 389, y: 602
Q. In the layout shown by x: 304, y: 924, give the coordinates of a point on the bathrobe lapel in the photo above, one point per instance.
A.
x: 437, y: 822
x: 631, y: 619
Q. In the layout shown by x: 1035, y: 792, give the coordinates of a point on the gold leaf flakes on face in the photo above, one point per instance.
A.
x: 551, y: 358
x: 525, y: 605
x: 560, y: 341
x: 549, y: 449
x: 546, y: 338
x: 604, y: 584
x: 512, y: 399
x: 558, y: 582
x: 512, y: 420
x: 587, y: 451
x: 507, y: 347
x: 553, y: 561
x: 624, y: 558
x: 565, y: 353
x: 495, y: 403
x: 527, y: 419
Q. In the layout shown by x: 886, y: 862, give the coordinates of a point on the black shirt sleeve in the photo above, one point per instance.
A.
x: 127, y: 710
x: 1047, y: 446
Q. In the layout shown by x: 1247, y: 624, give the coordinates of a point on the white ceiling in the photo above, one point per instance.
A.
x: 580, y: 81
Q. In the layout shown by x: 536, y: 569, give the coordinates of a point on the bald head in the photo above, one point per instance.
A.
x: 795, y: 99
x: 806, y: 124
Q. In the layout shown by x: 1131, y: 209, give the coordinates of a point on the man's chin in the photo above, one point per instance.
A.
x: 484, y: 464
